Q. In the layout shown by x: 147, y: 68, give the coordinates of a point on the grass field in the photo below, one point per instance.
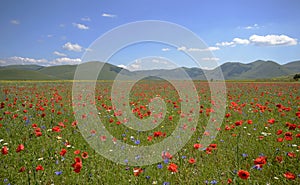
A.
x: 258, y: 142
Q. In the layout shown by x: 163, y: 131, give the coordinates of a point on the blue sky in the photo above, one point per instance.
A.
x: 56, y: 32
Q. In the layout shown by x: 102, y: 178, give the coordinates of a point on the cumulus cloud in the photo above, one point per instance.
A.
x: 268, y: 40
x: 65, y: 60
x: 234, y: 42
x: 59, y: 54
x: 272, y: 40
x: 109, y: 15
x: 22, y: 60
x: 72, y: 47
x: 241, y: 41
x: 81, y: 26
x: 16, y: 60
x: 15, y: 21
x: 225, y: 44
x: 165, y: 49
x: 122, y: 66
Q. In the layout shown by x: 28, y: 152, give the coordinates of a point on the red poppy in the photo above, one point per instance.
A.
x: 76, y: 152
x: 192, y: 160
x: 197, y: 146
x: 22, y: 169
x: 39, y: 167
x: 271, y: 121
x: 137, y: 171
x: 229, y: 181
x: 291, y: 154
x: 243, y: 174
x: 238, y: 123
x: 84, y: 155
x: 56, y: 129
x: 4, y: 150
x: 213, y: 146
x: 77, y: 165
x: 172, y: 167
x: 38, y: 134
x: 63, y: 152
x: 149, y: 138
x: 260, y: 161
x: 166, y: 155
x: 20, y: 148
x: 279, y: 159
x: 279, y: 139
x: 279, y: 132
x: 289, y: 176
x: 157, y: 134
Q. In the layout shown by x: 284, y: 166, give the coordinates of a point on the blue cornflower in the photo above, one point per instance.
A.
x: 137, y: 142
x: 159, y: 166
x: 166, y: 183
x: 58, y: 173
x: 213, y: 182
x: 257, y: 167
x: 245, y: 155
x: 166, y: 161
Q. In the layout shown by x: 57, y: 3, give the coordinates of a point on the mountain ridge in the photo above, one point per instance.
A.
x: 258, y: 69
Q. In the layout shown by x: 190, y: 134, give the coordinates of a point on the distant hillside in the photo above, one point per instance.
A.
x: 232, y: 71
x: 19, y: 74
x: 293, y: 66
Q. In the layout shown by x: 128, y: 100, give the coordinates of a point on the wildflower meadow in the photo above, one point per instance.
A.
x: 258, y: 141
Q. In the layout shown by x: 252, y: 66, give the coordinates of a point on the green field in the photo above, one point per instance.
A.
x: 41, y: 143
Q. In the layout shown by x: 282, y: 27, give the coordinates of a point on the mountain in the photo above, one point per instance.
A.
x: 293, y: 66
x: 231, y: 71
x: 255, y: 70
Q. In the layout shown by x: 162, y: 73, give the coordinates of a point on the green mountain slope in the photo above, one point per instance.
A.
x: 19, y: 74
x: 293, y: 66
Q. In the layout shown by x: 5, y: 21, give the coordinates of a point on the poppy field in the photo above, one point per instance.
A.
x: 258, y: 141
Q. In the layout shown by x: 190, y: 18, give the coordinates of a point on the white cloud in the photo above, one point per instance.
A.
x: 109, y: 15
x: 165, y: 49
x: 211, y: 48
x: 272, y: 40
x: 85, y: 19
x: 15, y: 21
x: 65, y: 60
x: 81, y: 26
x: 268, y: 40
x: 2, y: 62
x: 225, y: 44
x: 182, y: 48
x: 25, y: 60
x: 59, y: 54
x: 251, y: 27
x: 122, y: 66
x: 72, y: 47
x: 211, y: 59
x: 195, y: 49
x: 241, y: 41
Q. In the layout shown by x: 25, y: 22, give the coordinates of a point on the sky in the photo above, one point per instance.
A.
x: 58, y: 32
